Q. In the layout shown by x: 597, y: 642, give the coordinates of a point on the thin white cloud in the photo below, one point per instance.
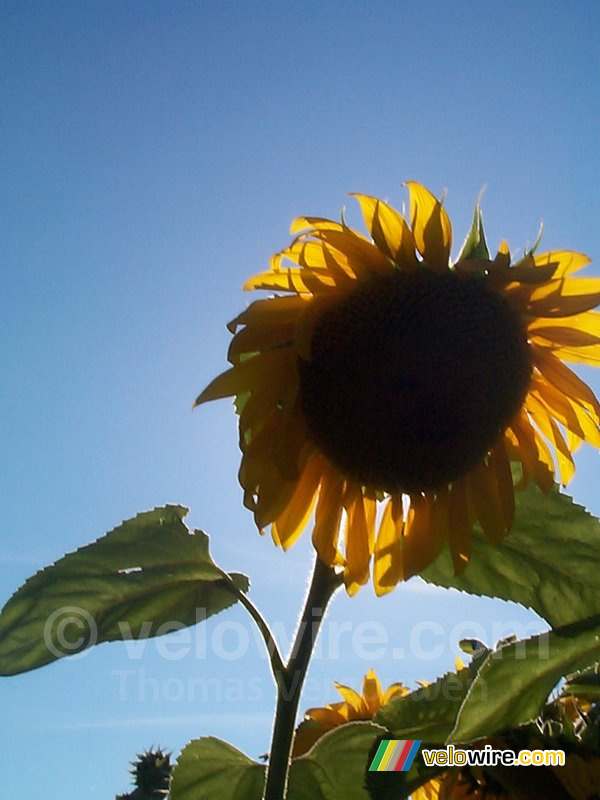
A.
x: 144, y: 722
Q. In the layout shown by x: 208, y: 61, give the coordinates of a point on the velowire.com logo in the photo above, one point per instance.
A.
x: 395, y: 755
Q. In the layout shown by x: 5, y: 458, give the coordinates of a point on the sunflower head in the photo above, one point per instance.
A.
x: 390, y: 402
x: 382, y: 374
x: 353, y: 707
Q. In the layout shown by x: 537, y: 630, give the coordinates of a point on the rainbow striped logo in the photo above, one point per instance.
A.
x: 395, y: 755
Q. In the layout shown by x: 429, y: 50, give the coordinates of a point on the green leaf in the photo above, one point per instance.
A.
x: 499, y: 690
x: 549, y: 561
x: 145, y: 578
x: 210, y: 769
x: 584, y: 684
x: 429, y: 713
x: 335, y: 767
x: 475, y: 246
x: 512, y: 684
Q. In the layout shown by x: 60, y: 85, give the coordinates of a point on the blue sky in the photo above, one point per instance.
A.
x: 154, y: 154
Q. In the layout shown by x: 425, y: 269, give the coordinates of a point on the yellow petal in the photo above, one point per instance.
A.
x: 460, y: 524
x: 500, y: 464
x: 316, y: 223
x: 567, y: 261
x: 387, y: 567
x: 580, y: 355
x: 363, y: 257
x: 269, y: 312
x: 431, y: 226
x: 582, y: 330
x: 416, y: 538
x: 290, y: 439
x: 352, y: 698
x: 329, y: 717
x: 322, y: 259
x: 280, y: 393
x: 389, y: 231
x: 565, y: 380
x: 273, y: 496
x: 372, y: 692
x: 394, y: 690
x: 303, y: 253
x: 566, y: 465
x: 358, y: 538
x: 577, y: 418
x: 533, y: 453
x: 548, y: 427
x: 244, y: 376
x: 564, y: 297
x: 300, y: 281
x: 501, y: 261
x: 523, y: 273
x: 328, y: 516
x: 258, y: 339
x: 425, y: 532
x: 485, y: 499
x: 289, y: 525
x: 259, y: 443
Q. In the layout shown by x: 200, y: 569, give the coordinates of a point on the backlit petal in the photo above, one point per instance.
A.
x: 389, y: 230
x: 430, y: 225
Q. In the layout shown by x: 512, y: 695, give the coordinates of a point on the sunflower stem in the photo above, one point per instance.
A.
x: 277, y: 665
x: 323, y: 584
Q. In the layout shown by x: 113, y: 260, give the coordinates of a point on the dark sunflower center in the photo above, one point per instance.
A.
x: 413, y: 377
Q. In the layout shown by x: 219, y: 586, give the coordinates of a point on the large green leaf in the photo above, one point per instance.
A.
x: 550, y: 560
x: 210, y: 769
x: 135, y: 582
x: 513, y: 682
x: 335, y: 767
x: 429, y: 713
x: 499, y: 690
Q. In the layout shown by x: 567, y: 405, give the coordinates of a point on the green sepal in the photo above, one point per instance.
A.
x: 475, y: 246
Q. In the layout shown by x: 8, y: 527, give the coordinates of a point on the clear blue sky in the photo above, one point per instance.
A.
x: 153, y: 156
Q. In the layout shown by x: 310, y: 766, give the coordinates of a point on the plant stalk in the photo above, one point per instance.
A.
x: 289, y: 686
x: 270, y: 642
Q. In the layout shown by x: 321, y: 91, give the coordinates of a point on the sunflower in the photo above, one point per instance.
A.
x: 574, y: 727
x: 353, y: 707
x: 388, y: 391
x: 453, y: 784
